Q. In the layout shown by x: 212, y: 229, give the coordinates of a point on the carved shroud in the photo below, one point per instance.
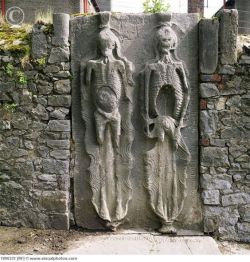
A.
x: 110, y: 167
x: 166, y: 162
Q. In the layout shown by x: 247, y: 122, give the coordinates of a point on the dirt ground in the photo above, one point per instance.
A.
x: 19, y: 241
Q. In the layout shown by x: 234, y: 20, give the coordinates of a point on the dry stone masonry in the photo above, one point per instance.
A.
x: 35, y: 132
x: 225, y: 135
x: 128, y: 121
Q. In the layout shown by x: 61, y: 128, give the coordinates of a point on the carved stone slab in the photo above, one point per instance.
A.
x: 109, y: 126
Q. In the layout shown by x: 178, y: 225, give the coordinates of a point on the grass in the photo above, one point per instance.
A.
x: 44, y: 17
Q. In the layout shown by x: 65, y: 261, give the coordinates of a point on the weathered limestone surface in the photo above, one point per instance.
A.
x: 136, y: 36
x: 228, y: 36
x: 208, y: 45
x: 35, y: 138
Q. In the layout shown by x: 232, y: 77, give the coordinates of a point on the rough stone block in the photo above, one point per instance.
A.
x: 210, y: 182
x: 61, y: 29
x: 231, y: 132
x: 217, y: 142
x: 51, y: 166
x: 59, y: 125
x: 7, y: 87
x: 220, y: 104
x: 40, y: 112
x: 208, y: 120
x: 44, y: 89
x: 208, y: 90
x: 214, y: 156
x: 54, y: 201
x: 62, y: 74
x: 227, y: 70
x: 245, y: 213
x: 211, y: 197
x: 58, y: 144
x: 60, y: 221
x: 210, y: 224
x: 5, y: 125
x: 203, y: 104
x: 210, y: 78
x: 60, y: 154
x: 208, y: 45
x: 226, y: 215
x: 59, y: 55
x: 62, y: 86
x: 244, y: 227
x: 39, y: 42
x: 59, y: 113
x: 47, y: 178
x: 228, y: 36
x: 51, y: 69
x: 59, y: 100
x: 20, y: 122
x: 244, y: 60
x: 236, y: 199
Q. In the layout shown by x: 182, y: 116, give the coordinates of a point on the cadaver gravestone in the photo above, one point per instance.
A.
x: 135, y: 121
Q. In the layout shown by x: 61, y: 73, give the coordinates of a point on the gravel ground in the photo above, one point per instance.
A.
x: 18, y: 241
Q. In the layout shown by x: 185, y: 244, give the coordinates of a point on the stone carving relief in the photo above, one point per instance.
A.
x: 106, y: 98
x: 166, y: 98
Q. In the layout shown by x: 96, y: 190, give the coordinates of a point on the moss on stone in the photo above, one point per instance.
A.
x: 49, y: 29
x: 15, y: 40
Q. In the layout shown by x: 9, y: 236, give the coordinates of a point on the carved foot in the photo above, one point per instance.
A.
x: 112, y: 226
x: 167, y: 229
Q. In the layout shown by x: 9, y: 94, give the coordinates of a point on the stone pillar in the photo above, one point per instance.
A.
x: 61, y: 29
x: 228, y: 36
x: 208, y: 45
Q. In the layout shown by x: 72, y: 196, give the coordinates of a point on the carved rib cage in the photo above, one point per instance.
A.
x: 165, y: 77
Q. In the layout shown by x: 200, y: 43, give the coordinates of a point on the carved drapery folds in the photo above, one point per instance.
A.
x: 165, y: 101
x: 106, y: 87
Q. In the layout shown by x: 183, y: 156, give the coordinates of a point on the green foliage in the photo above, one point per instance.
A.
x: 21, y: 78
x: 16, y: 40
x: 49, y: 29
x: 155, y: 6
x: 18, y: 75
x: 41, y: 61
x: 9, y: 107
x: 9, y: 69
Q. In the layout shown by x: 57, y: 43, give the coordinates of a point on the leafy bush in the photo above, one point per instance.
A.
x: 155, y: 6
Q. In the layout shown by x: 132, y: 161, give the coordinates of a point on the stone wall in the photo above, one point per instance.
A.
x: 35, y: 131
x: 224, y: 131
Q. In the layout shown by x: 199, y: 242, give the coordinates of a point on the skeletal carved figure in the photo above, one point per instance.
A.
x: 165, y: 101
x: 106, y: 110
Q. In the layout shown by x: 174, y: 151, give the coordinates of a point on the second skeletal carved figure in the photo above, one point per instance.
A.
x: 165, y: 101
